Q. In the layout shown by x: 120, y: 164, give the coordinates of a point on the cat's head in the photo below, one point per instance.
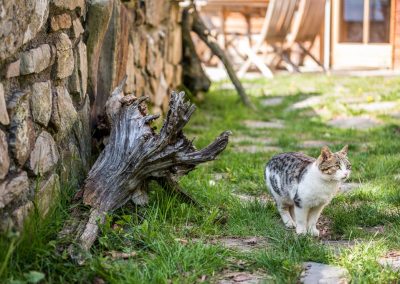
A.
x: 334, y: 166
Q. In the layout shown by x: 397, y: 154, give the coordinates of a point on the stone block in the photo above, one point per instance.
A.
x: 70, y: 4
x: 12, y: 188
x: 4, y: 119
x: 65, y: 56
x: 21, y: 213
x: 41, y: 102
x: 44, y: 156
x: 77, y: 28
x: 35, y: 60
x: 48, y: 193
x: 64, y: 114
x: 13, y: 69
x: 21, y: 128
x: 59, y: 22
x: 4, y: 157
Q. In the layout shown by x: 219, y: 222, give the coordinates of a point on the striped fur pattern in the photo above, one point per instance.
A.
x: 302, y: 186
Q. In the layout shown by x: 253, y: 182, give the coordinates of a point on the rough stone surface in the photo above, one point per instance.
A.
x: 59, y: 22
x: 77, y: 28
x: 355, y: 122
x: 4, y: 119
x: 35, y: 60
x: 314, y: 143
x: 64, y: 114
x: 78, y: 80
x: 21, y: 130
x: 44, y: 156
x: 12, y: 188
x: 264, y: 124
x: 346, y: 187
x: 20, y: 20
x: 65, y: 56
x: 381, y: 107
x: 392, y: 260
x: 315, y: 273
x: 48, y: 193
x: 262, y: 199
x: 41, y: 102
x: 13, y: 69
x: 19, y: 215
x: 249, y: 139
x: 4, y: 158
x: 70, y: 4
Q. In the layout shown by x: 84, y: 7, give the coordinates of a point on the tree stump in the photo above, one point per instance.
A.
x: 134, y: 155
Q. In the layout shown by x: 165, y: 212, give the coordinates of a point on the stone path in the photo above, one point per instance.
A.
x: 257, y: 149
x: 375, y: 106
x: 392, y: 259
x: 355, y: 122
x: 243, y: 277
x: 277, y: 124
x: 272, y: 101
x: 245, y: 198
x: 315, y: 273
x: 241, y: 244
x: 346, y: 187
x: 315, y: 144
x: 249, y: 139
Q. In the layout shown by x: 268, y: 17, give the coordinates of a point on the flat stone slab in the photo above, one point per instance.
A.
x: 242, y: 244
x: 308, y: 102
x: 316, y: 273
x: 356, y: 122
x: 392, y: 260
x: 375, y: 106
x: 315, y: 144
x: 243, y: 277
x: 272, y: 101
x: 260, y: 140
x: 264, y: 124
x: 252, y: 149
x: 338, y: 245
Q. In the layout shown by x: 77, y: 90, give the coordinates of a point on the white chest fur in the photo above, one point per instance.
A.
x: 315, y: 190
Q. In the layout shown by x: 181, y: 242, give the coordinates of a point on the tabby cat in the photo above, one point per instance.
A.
x: 302, y: 186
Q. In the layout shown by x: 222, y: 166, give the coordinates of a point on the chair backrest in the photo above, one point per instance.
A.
x: 278, y: 19
x: 308, y: 20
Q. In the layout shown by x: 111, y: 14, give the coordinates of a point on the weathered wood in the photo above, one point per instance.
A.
x: 201, y: 30
x: 194, y: 77
x: 134, y: 155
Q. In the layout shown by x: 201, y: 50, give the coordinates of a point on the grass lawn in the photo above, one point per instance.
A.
x: 172, y: 239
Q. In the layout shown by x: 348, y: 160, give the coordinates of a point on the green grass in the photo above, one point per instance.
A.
x: 170, y: 238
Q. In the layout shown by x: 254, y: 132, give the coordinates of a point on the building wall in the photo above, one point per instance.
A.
x: 59, y: 61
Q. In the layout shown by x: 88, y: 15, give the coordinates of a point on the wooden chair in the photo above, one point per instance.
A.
x: 276, y: 26
x: 306, y: 26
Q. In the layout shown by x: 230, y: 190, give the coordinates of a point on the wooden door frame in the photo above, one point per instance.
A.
x: 335, y: 29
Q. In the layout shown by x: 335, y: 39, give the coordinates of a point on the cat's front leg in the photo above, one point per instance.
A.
x: 313, y: 217
x: 301, y: 219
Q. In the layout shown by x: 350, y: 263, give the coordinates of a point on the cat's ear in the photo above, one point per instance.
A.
x: 325, y: 153
x: 344, y: 150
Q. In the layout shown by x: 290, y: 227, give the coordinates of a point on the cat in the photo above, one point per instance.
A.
x: 302, y: 186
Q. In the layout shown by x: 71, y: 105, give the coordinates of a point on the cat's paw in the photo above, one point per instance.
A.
x: 290, y: 224
x: 301, y: 230
x: 314, y: 232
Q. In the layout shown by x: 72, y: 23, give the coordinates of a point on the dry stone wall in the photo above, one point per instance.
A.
x: 59, y: 61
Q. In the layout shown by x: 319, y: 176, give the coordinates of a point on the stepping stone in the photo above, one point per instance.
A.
x: 242, y: 277
x: 262, y: 199
x: 375, y: 107
x: 395, y: 114
x: 392, y: 260
x: 355, y: 122
x: 272, y: 101
x: 374, y: 230
x: 309, y: 102
x: 346, y: 187
x: 315, y: 273
x: 338, y: 245
x: 261, y: 140
x: 252, y: 149
x: 242, y: 244
x: 264, y: 124
x: 315, y: 144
